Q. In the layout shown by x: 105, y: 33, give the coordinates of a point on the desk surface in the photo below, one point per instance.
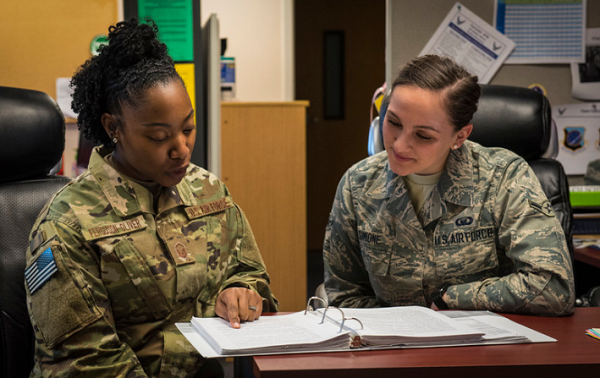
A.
x: 573, y: 355
x: 588, y: 255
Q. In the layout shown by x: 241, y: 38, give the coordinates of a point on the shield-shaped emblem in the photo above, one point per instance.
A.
x: 574, y: 138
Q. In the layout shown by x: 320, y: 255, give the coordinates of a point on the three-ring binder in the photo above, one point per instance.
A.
x: 355, y: 339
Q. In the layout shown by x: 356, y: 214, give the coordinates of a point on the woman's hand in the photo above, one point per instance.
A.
x: 238, y: 304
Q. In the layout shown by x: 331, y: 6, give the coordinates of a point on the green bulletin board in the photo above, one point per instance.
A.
x: 175, y: 21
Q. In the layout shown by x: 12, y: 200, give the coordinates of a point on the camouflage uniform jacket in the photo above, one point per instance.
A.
x: 126, y: 274
x: 489, y: 231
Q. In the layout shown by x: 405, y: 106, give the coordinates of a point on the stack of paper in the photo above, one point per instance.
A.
x: 363, y: 329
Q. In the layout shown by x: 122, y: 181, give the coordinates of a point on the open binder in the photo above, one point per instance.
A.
x: 344, y: 329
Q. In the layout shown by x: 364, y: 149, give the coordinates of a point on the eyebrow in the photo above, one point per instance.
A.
x: 150, y: 124
x: 417, y: 126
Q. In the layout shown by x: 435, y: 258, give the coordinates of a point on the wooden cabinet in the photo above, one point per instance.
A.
x: 263, y: 163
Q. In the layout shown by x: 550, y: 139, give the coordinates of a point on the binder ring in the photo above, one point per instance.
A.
x: 308, y: 307
x: 344, y: 318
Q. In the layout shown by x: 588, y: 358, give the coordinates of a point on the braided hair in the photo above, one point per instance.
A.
x: 133, y: 61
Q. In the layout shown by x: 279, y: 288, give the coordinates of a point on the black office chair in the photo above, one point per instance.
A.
x: 520, y: 120
x: 32, y: 140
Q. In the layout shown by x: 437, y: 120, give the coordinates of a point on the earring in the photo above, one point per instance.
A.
x: 115, y: 140
x: 453, y: 147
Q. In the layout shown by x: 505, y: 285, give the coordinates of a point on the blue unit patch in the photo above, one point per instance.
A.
x: 40, y: 271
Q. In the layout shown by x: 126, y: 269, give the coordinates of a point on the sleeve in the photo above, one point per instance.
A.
x: 531, y: 237
x: 346, y: 278
x: 70, y: 309
x: 246, y: 267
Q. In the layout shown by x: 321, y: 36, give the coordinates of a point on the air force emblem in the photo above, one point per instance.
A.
x: 574, y: 138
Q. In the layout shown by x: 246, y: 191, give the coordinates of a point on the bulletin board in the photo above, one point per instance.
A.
x: 412, y: 22
x: 43, y: 40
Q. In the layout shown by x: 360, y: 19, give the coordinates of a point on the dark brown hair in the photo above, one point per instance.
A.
x: 441, y: 74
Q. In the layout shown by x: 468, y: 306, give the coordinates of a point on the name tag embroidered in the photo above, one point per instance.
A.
x: 40, y: 271
x: 209, y: 208
x: 118, y: 228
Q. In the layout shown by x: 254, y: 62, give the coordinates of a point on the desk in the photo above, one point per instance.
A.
x: 588, y: 255
x: 573, y: 355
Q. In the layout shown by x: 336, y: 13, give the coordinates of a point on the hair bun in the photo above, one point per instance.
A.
x: 130, y: 42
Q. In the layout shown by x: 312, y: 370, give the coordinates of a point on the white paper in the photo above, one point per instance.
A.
x: 428, y: 327
x: 471, y: 42
x: 63, y: 96
x: 578, y: 128
x: 544, y: 31
x: 295, y: 329
x: 586, y: 76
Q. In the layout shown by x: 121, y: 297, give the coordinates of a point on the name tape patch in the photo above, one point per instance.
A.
x: 209, y: 208
x: 113, y: 229
x: 40, y: 271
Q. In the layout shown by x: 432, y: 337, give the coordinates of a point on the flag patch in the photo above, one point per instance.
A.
x: 40, y: 271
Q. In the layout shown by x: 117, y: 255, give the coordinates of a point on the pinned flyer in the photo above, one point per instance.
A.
x: 471, y: 42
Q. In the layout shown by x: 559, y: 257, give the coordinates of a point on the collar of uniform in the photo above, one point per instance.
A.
x: 125, y: 197
x: 387, y: 182
x: 456, y: 183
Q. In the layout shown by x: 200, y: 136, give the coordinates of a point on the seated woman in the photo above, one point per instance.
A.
x: 437, y: 220
x: 143, y: 239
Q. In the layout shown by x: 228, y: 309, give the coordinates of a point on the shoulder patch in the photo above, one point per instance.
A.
x: 544, y: 208
x: 40, y: 270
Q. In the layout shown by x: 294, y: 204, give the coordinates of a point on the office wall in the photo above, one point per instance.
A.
x: 260, y: 36
x: 412, y: 22
x: 41, y: 40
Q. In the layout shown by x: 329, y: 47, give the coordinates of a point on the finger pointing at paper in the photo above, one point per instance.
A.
x: 238, y: 304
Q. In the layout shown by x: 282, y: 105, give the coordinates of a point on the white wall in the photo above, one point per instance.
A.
x: 260, y: 37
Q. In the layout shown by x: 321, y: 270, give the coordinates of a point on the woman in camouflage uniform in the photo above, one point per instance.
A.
x: 437, y: 220
x: 144, y: 238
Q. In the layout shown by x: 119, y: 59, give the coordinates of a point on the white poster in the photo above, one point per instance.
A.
x: 471, y: 42
x: 586, y: 76
x: 578, y: 127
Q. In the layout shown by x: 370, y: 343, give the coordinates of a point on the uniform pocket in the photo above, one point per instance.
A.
x: 63, y: 304
x: 470, y: 259
x: 142, y: 278
x: 376, y: 252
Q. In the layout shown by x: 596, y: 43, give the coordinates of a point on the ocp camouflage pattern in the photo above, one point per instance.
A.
x: 488, y: 230
x: 127, y: 273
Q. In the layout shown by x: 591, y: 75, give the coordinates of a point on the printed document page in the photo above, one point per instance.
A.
x: 471, y: 42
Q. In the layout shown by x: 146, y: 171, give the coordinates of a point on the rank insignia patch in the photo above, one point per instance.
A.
x: 544, y: 208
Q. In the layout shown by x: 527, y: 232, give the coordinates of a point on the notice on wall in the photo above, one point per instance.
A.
x: 471, y: 42
x: 586, y: 76
x: 545, y: 31
x: 174, y: 19
x: 578, y: 127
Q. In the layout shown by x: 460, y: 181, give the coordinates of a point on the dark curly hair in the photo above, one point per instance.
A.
x: 442, y: 74
x: 133, y: 61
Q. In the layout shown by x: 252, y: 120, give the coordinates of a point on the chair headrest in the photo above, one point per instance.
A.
x: 516, y: 118
x: 32, y: 134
